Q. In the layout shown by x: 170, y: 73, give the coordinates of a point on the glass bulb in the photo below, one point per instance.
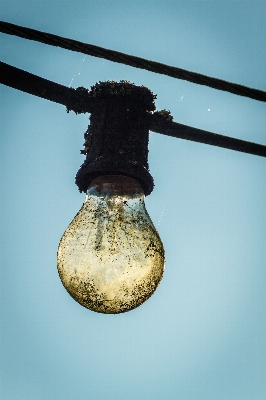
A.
x: 110, y: 258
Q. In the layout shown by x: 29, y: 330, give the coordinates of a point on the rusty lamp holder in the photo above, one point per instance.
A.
x: 116, y: 142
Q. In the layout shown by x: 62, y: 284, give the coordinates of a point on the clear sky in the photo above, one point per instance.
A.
x: 201, y: 336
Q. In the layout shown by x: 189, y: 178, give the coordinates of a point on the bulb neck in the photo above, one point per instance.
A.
x: 115, y: 186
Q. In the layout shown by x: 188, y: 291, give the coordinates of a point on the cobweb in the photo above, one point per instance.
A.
x: 78, y: 71
x: 162, y: 155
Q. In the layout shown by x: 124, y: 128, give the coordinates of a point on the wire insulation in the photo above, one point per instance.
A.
x: 133, y: 61
x: 80, y: 101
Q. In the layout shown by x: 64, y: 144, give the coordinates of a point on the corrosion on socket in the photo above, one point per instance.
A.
x: 118, y: 135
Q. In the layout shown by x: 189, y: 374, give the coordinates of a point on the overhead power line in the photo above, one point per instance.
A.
x: 133, y: 61
x: 79, y: 101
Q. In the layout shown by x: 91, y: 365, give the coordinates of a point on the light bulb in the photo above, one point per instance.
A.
x: 111, y: 258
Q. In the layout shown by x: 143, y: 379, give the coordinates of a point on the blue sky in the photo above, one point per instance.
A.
x: 201, y: 336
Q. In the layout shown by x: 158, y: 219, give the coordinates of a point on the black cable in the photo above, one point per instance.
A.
x: 133, y: 61
x: 26, y: 82
x: 79, y: 101
x: 177, y: 130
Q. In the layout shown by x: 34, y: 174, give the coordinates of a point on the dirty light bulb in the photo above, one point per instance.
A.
x: 111, y: 258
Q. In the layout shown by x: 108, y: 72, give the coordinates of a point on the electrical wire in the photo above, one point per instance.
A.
x: 80, y: 101
x: 137, y: 62
x: 25, y: 81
